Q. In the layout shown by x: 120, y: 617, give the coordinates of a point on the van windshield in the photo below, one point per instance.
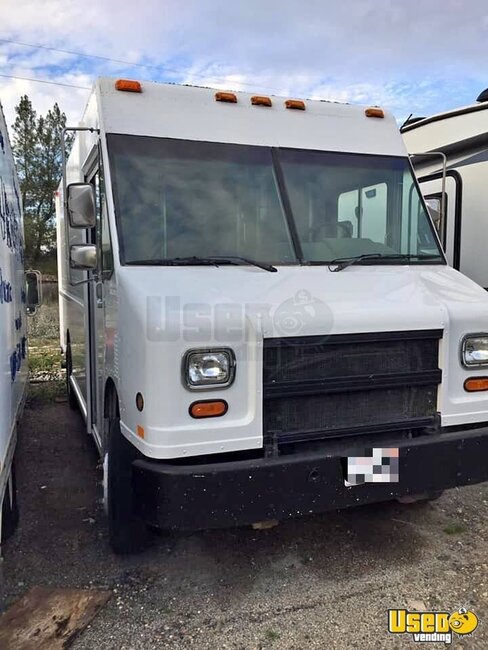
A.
x: 179, y: 199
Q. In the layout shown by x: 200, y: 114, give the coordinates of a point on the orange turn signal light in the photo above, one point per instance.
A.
x: 297, y: 104
x: 226, y: 97
x: 374, y: 111
x: 140, y: 431
x: 128, y: 85
x: 476, y: 384
x: 261, y: 100
x: 208, y: 408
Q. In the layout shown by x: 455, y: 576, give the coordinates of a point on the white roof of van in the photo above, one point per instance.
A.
x: 192, y: 113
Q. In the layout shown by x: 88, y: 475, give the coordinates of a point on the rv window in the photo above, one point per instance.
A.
x: 348, y: 211
x: 363, y: 213
x: 434, y: 206
x: 374, y: 212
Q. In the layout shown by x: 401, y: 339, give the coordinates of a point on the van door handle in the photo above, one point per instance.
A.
x: 99, y: 294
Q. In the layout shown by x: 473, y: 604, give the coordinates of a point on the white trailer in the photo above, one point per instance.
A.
x: 457, y: 141
x: 253, y: 297
x: 13, y: 343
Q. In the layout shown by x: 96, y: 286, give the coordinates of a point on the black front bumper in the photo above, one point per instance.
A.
x: 241, y: 492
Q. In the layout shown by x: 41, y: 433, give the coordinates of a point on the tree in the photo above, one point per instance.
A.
x: 37, y: 152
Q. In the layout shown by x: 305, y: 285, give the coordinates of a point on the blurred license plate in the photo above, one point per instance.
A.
x: 377, y: 465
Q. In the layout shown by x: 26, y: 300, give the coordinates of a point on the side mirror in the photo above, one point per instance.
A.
x: 81, y: 205
x: 33, y: 290
x: 83, y: 256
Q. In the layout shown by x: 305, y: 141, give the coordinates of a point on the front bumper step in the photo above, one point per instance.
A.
x: 223, y: 494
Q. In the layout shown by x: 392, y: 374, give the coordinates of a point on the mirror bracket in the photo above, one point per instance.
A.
x: 78, y: 283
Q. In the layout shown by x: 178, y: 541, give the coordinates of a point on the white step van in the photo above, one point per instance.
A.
x: 258, y: 318
x: 15, y: 297
x: 450, y: 157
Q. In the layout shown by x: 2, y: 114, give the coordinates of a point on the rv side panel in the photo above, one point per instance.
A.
x: 13, y: 344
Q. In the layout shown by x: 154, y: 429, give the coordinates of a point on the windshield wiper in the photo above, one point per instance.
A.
x: 342, y: 263
x: 235, y: 259
x: 197, y: 261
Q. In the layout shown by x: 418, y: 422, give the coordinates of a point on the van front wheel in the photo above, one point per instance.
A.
x: 10, y: 508
x: 72, y: 401
x: 127, y: 533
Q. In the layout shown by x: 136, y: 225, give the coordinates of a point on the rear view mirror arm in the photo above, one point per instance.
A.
x: 65, y: 132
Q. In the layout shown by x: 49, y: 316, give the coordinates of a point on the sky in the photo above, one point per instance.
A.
x: 405, y: 55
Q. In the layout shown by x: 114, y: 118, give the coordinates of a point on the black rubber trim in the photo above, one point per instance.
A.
x: 348, y: 432
x: 300, y: 388
x: 363, y: 337
x: 285, y: 200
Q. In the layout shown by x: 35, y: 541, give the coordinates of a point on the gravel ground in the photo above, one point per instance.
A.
x: 321, y: 582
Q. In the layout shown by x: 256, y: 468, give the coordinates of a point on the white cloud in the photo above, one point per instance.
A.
x: 43, y: 96
x: 410, y: 57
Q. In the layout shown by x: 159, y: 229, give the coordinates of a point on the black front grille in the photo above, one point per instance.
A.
x: 347, y: 384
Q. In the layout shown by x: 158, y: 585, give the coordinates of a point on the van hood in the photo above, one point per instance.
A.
x: 300, y: 301
x: 164, y: 312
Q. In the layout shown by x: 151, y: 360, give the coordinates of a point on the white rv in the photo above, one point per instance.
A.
x: 257, y: 315
x: 13, y: 343
x: 457, y: 141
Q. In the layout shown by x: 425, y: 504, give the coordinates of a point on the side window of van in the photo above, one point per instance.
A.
x: 106, y: 241
x: 103, y: 227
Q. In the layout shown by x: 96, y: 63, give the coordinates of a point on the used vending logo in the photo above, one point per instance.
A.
x: 432, y: 626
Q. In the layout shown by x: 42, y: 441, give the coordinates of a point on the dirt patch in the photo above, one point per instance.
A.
x: 320, y: 582
x: 49, y: 618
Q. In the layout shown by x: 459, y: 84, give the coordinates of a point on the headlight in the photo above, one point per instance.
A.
x: 475, y: 350
x: 209, y: 368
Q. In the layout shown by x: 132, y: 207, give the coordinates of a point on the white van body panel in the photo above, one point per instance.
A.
x: 358, y: 299
x: 275, y: 269
x: 191, y: 113
x: 13, y: 343
x: 140, y: 347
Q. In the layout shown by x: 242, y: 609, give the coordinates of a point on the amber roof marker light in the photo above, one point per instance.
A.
x: 231, y: 98
x: 128, y: 85
x: 296, y: 104
x: 261, y: 100
x: 374, y: 111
